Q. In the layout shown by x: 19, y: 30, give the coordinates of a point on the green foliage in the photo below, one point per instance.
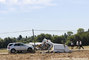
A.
x: 58, y: 39
x: 80, y: 30
x: 40, y: 37
x: 4, y: 42
x: 69, y: 33
x: 20, y: 37
x: 66, y: 38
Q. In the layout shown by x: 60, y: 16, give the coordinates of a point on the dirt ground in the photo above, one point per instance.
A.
x: 75, y: 55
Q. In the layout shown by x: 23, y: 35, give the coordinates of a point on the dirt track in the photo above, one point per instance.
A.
x: 77, y: 55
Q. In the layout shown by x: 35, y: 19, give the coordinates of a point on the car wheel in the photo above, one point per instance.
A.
x: 29, y: 50
x: 13, y: 51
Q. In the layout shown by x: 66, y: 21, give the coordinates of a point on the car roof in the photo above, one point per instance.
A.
x: 16, y: 43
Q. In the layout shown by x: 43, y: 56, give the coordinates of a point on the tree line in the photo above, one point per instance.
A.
x: 62, y: 39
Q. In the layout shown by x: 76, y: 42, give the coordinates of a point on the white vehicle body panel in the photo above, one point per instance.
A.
x: 20, y: 47
x: 60, y: 48
x: 56, y: 47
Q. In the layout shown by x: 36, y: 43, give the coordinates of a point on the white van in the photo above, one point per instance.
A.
x: 60, y: 48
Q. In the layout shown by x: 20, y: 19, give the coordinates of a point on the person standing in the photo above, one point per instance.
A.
x: 77, y: 44
x: 80, y: 45
x: 72, y: 45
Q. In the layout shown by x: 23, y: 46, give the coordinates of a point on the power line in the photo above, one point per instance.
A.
x: 55, y: 30
x: 16, y: 32
x: 38, y: 30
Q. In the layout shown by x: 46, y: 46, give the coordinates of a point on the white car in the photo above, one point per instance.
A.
x: 14, y: 47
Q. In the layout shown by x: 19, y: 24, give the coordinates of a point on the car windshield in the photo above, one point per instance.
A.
x: 10, y: 44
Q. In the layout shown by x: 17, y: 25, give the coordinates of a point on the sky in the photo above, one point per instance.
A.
x: 19, y: 15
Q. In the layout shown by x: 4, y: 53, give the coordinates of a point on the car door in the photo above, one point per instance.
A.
x: 17, y: 46
x: 23, y: 47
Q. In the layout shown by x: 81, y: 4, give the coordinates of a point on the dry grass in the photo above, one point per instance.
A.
x: 3, y: 50
x: 76, y: 55
x: 46, y: 56
x: 85, y: 48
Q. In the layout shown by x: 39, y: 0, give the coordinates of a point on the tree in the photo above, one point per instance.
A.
x: 80, y: 30
x: 58, y: 39
x: 88, y: 30
x: 20, y: 37
x: 65, y: 38
x: 26, y: 37
x: 8, y: 40
x: 1, y: 43
x: 42, y: 36
x: 69, y: 33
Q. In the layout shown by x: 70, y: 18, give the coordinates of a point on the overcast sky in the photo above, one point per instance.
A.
x: 19, y: 15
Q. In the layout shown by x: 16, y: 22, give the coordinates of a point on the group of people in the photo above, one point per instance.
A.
x: 78, y: 44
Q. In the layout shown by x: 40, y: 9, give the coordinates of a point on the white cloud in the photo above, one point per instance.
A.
x: 3, y: 11
x: 36, y: 1
x: 12, y: 1
x: 2, y: 1
x: 25, y: 4
x: 28, y: 2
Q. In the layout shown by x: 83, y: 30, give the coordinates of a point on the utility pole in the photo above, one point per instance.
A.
x: 33, y: 38
x: 65, y: 36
